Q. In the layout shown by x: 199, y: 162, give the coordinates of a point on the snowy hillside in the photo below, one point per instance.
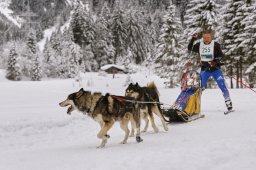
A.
x: 4, y: 4
x: 35, y: 133
x: 47, y: 36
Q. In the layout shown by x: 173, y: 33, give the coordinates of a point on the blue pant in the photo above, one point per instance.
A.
x: 219, y: 78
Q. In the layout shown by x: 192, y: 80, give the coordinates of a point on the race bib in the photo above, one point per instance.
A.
x: 206, y: 51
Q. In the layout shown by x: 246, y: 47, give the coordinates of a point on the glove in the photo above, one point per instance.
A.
x: 212, y: 63
x: 195, y: 35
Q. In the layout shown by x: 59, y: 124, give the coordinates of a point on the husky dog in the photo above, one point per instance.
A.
x: 105, y: 110
x: 147, y: 94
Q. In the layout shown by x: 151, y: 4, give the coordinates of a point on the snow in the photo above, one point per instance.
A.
x: 68, y: 1
x: 250, y: 68
x: 2, y: 75
x: 112, y: 65
x: 67, y: 23
x: 4, y: 4
x: 47, y: 35
x: 74, y: 3
x: 48, y: 32
x: 35, y: 133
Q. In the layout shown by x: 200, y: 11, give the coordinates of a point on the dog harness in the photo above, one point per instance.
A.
x: 126, y: 104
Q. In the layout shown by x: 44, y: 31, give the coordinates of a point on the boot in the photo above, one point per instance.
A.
x: 229, y: 104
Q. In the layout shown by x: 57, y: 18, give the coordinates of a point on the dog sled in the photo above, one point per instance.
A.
x: 187, y: 106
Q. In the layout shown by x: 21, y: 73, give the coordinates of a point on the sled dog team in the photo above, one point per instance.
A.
x: 108, y: 109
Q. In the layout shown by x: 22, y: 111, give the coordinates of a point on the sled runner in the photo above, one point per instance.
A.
x: 187, y: 106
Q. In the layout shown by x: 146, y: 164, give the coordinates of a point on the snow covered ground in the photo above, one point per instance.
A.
x: 37, y: 134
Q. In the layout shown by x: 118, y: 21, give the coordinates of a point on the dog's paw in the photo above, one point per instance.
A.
x: 103, y: 143
x: 144, y: 131
x: 156, y: 130
x: 139, y: 139
x: 123, y: 142
x: 100, y: 146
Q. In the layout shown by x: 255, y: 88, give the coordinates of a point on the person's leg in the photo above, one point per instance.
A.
x: 219, y: 78
x: 204, y: 78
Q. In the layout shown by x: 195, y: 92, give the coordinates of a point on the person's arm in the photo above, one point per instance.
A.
x: 218, y: 52
x: 195, y: 47
x: 218, y: 55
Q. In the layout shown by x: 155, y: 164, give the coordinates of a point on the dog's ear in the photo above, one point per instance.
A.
x: 80, y: 93
x: 137, y: 84
x: 130, y: 84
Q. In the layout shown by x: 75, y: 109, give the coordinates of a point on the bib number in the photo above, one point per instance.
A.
x: 206, y: 50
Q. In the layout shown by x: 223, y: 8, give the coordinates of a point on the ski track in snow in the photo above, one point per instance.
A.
x: 35, y: 133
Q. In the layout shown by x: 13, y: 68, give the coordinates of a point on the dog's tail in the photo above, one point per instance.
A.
x: 152, y: 85
x: 162, y: 114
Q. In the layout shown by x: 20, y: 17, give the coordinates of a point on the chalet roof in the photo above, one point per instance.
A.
x: 112, y: 65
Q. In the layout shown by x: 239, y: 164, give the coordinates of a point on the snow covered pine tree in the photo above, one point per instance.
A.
x: 170, y: 58
x: 36, y: 70
x: 13, y: 69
